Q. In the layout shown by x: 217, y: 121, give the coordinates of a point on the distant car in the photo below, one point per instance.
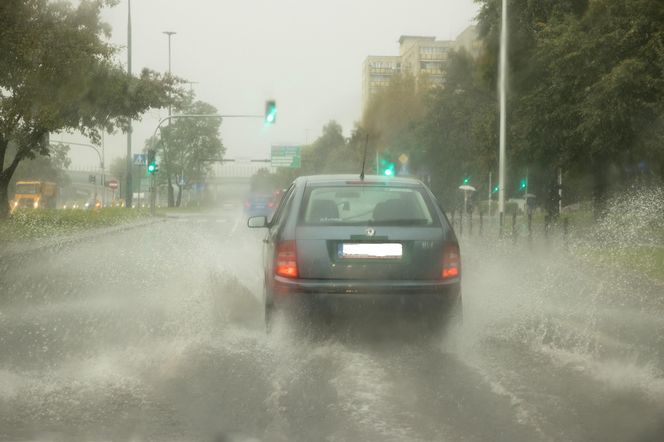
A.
x: 93, y: 204
x: 339, y: 240
x: 260, y: 204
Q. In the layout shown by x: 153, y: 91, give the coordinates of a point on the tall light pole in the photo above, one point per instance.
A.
x: 503, y: 117
x: 168, y: 175
x: 170, y: 34
x: 129, y: 191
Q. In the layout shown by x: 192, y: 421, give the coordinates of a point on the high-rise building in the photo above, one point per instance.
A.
x: 377, y: 72
x: 424, y: 57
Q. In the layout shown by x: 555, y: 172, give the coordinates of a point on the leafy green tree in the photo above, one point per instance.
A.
x: 186, y: 146
x: 586, y: 87
x: 57, y: 74
x: 329, y: 153
x: 457, y: 136
x: 392, y: 116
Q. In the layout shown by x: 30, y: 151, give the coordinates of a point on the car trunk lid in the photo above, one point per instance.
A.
x: 369, y: 253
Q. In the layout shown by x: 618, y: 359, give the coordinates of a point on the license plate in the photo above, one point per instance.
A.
x: 371, y: 251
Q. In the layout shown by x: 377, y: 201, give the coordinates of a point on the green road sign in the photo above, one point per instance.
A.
x: 286, y: 156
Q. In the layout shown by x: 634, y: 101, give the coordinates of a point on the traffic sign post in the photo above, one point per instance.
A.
x: 140, y: 159
x: 286, y: 156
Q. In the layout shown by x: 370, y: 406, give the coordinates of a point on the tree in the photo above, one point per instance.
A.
x: 57, y: 74
x: 187, y: 145
x: 457, y: 136
x: 45, y: 168
x: 586, y: 88
x: 329, y: 153
x: 392, y: 115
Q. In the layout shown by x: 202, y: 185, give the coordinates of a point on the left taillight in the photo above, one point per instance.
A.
x: 286, y: 259
x: 451, y: 262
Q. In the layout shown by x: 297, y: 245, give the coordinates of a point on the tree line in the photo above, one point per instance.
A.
x: 585, y: 98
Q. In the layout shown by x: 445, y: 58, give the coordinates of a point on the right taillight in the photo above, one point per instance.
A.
x: 286, y: 259
x: 451, y: 262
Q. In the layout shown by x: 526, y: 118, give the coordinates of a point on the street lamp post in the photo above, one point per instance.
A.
x: 503, y: 117
x: 129, y: 192
x: 168, y: 176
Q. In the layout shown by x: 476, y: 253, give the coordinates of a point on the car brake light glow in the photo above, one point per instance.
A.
x: 451, y: 262
x: 270, y: 204
x: 286, y: 259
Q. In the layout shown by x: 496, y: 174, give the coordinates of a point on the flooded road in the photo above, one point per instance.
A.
x: 156, y: 333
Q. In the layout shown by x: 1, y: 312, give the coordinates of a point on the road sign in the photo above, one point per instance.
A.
x: 140, y: 159
x: 286, y: 156
x: 113, y: 184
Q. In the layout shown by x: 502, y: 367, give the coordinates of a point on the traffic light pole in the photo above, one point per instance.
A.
x: 490, y: 189
x: 153, y: 181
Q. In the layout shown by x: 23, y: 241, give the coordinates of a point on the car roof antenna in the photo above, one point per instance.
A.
x: 364, y: 157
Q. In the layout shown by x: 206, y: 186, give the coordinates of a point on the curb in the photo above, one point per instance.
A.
x: 51, y: 243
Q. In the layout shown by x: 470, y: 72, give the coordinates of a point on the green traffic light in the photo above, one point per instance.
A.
x: 270, y: 112
x: 495, y: 189
x: 388, y: 168
x: 152, y: 161
x: 524, y: 183
x: 466, y: 180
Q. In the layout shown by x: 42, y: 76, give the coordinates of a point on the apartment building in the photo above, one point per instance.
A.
x: 377, y: 72
x: 422, y: 56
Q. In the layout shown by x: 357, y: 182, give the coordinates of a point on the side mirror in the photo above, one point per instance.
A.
x: 256, y: 222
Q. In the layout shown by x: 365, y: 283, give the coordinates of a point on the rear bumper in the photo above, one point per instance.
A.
x: 420, y: 295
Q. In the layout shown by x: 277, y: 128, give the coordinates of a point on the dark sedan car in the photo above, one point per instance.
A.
x: 340, y: 241
x: 260, y: 204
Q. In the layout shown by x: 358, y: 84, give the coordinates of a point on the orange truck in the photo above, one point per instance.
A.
x: 35, y: 195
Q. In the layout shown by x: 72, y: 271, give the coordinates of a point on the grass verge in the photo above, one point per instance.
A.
x: 45, y: 223
x: 641, y: 259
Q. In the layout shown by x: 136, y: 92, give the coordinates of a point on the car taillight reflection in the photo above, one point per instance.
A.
x: 286, y: 259
x: 451, y: 262
x: 271, y: 205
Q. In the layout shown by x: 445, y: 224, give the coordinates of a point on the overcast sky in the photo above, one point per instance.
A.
x: 306, y: 54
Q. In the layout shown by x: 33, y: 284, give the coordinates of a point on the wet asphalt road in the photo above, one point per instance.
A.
x: 156, y: 334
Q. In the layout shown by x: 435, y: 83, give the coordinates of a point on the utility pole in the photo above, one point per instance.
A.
x: 129, y: 191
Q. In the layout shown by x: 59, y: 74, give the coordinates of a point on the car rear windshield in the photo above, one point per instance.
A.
x: 366, y: 205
